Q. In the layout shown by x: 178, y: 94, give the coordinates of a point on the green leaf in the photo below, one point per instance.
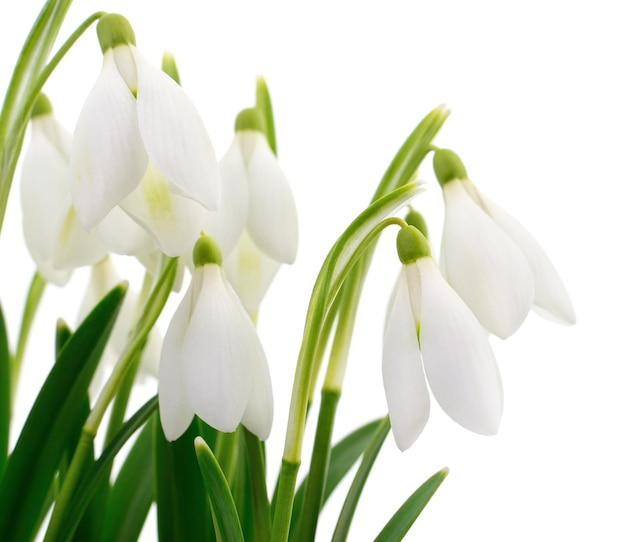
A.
x: 132, y: 493
x: 360, y: 478
x: 406, y: 515
x: 91, y: 481
x: 183, y: 509
x: 264, y: 105
x: 52, y: 422
x: 5, y: 394
x: 343, y: 456
x: 224, y: 512
x: 404, y: 165
x: 258, y: 486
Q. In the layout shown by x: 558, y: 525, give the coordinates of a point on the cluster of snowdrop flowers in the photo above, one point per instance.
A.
x: 139, y: 177
x: 492, y: 273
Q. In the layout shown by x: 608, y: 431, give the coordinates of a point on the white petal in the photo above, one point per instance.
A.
x: 458, y: 360
x: 226, y: 224
x: 220, y: 339
x: 250, y: 272
x: 74, y: 245
x: 173, y: 221
x: 403, y: 374
x: 44, y: 194
x: 550, y: 293
x: 174, y: 409
x: 122, y: 235
x: 108, y: 157
x: 272, y: 217
x: 484, y: 265
x: 259, y: 412
x: 175, y: 136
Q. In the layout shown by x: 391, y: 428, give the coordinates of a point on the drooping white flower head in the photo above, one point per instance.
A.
x: 260, y: 199
x: 491, y: 260
x: 432, y: 336
x: 57, y: 241
x: 212, y: 362
x: 136, y: 114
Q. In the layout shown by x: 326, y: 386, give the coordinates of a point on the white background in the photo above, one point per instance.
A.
x: 537, y: 94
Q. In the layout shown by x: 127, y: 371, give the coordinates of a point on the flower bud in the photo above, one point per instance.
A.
x: 411, y: 245
x: 448, y: 166
x: 41, y: 107
x: 114, y: 30
x: 414, y: 218
x: 206, y: 251
x: 250, y: 119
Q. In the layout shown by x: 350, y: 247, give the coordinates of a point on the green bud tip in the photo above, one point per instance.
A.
x: 415, y: 219
x: 114, y: 30
x: 411, y: 245
x: 250, y: 119
x: 168, y: 65
x: 206, y: 251
x: 41, y: 107
x: 448, y: 166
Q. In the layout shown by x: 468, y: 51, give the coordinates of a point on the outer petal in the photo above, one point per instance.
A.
x: 216, y: 354
x: 122, y: 235
x: 550, y: 293
x: 458, y: 360
x: 250, y: 272
x: 259, y: 413
x: 272, y: 218
x: 44, y: 193
x: 226, y: 224
x: 108, y: 156
x: 403, y: 374
x: 174, y: 409
x: 484, y: 265
x: 74, y: 245
x: 173, y: 221
x: 175, y: 136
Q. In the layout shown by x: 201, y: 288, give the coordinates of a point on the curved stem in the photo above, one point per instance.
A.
x: 33, y: 298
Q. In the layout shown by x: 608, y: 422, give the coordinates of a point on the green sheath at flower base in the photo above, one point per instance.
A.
x: 42, y: 107
x: 411, y: 245
x: 415, y: 219
x: 250, y: 119
x: 168, y: 65
x: 114, y: 30
x: 448, y: 166
x: 206, y: 251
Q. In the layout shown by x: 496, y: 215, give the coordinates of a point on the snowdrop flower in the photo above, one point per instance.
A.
x: 212, y: 362
x: 57, y: 241
x: 136, y: 115
x: 431, y: 335
x: 494, y: 264
x: 257, y: 196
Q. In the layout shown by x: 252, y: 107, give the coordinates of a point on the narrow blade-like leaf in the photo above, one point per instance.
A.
x: 132, y: 493
x: 402, y: 520
x: 183, y: 510
x: 52, y: 421
x: 224, y: 512
x: 5, y: 394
